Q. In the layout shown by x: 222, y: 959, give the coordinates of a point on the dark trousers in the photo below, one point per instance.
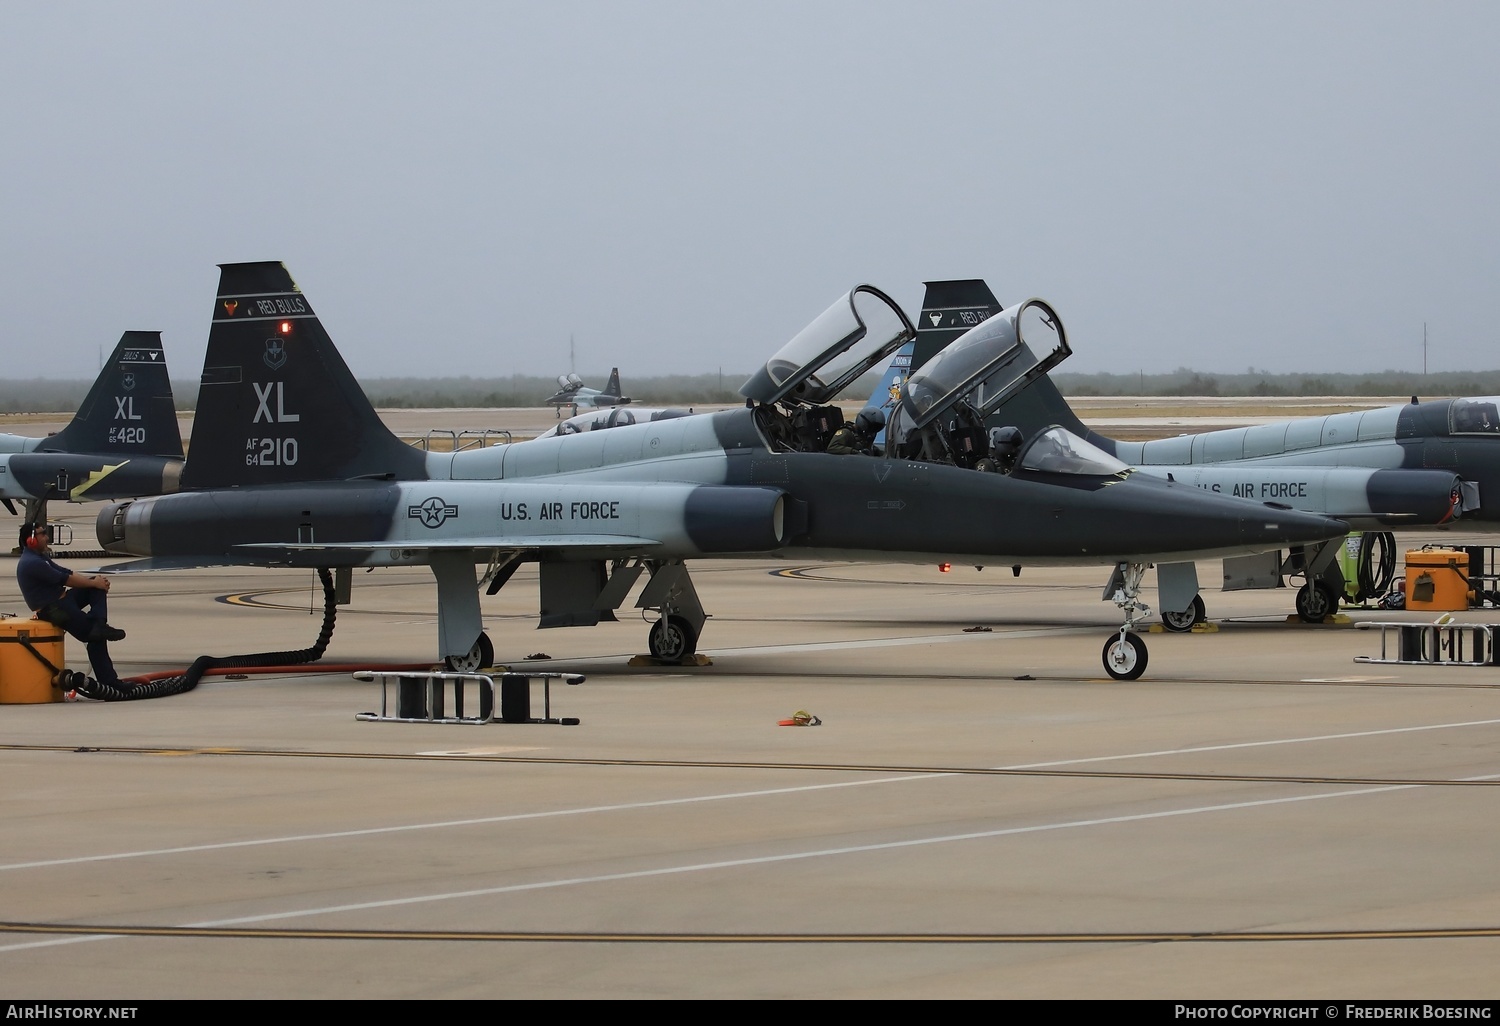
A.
x: 83, y: 612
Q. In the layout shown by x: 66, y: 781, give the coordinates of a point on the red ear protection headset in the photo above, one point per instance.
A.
x: 32, y: 541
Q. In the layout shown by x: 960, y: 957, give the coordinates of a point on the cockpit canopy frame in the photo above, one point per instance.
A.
x: 986, y: 365
x: 1479, y: 416
x: 1056, y: 450
x: 861, y: 328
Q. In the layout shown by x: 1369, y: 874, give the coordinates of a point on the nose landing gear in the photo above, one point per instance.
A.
x: 1125, y: 656
x: 1125, y: 653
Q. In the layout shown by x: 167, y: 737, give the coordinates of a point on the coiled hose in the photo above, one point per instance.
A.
x: 1376, y: 565
x: 177, y: 684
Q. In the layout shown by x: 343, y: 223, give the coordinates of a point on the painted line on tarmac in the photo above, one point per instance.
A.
x: 678, y: 937
x: 921, y: 639
x: 758, y: 793
x: 763, y: 860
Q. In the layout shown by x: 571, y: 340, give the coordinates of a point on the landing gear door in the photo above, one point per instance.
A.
x: 987, y: 364
x: 863, y: 327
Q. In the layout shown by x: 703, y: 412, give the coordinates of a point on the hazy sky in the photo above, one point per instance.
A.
x: 459, y: 187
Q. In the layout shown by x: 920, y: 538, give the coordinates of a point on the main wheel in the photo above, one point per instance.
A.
x: 1124, y: 656
x: 1184, y: 620
x: 1316, y: 601
x: 475, y: 659
x: 672, y: 639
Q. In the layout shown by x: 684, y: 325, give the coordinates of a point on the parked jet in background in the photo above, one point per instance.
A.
x: 571, y: 391
x: 291, y: 467
x: 612, y: 417
x: 1422, y: 465
x: 123, y: 441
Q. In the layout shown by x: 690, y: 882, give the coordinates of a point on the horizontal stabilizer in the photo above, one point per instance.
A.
x: 153, y: 563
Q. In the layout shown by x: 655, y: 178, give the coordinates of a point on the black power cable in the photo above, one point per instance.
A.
x: 1376, y: 566
x: 185, y: 682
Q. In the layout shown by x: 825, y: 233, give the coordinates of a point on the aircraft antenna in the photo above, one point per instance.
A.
x: 1424, y: 349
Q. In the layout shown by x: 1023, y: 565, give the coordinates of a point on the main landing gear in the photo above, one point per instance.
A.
x: 1316, y: 601
x: 1125, y: 652
x: 1318, y: 598
x: 481, y: 655
x: 672, y: 639
x: 1184, y: 621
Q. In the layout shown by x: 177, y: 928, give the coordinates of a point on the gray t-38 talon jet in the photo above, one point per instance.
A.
x: 290, y: 466
x: 1417, y: 466
x: 572, y: 392
x: 124, y: 440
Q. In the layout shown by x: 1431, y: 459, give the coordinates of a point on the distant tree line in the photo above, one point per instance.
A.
x: 1185, y: 382
x: 43, y: 395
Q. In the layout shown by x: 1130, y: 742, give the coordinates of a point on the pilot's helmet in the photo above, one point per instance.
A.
x: 869, y: 421
x: 1005, y: 441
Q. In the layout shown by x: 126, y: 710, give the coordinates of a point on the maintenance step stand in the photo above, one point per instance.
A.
x: 426, y: 697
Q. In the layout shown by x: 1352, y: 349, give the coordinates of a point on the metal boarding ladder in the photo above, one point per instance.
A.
x: 428, y: 697
x: 1434, y: 644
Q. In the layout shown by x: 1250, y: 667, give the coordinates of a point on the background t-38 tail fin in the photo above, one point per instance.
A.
x: 129, y: 410
x: 613, y: 388
x: 277, y: 402
x: 952, y: 308
x: 949, y: 309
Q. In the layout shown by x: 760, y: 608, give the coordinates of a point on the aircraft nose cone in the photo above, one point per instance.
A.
x: 1289, y: 526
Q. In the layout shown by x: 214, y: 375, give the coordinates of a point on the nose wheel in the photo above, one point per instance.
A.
x: 1125, y: 656
x: 1124, y: 652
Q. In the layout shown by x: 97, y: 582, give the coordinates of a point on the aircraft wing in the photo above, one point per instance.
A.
x: 548, y: 541
x: 247, y: 555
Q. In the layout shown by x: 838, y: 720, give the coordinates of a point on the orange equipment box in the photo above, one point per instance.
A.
x: 1437, y: 579
x: 24, y: 678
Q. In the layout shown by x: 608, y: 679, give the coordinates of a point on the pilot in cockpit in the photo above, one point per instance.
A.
x: 1005, y: 445
x: 858, y: 437
x: 966, y: 440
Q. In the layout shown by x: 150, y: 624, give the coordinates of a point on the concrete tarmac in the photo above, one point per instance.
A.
x: 980, y: 813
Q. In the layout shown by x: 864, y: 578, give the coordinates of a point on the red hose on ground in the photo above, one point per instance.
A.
x: 146, y: 678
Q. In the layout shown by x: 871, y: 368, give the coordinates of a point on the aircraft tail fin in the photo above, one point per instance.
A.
x: 277, y: 403
x: 613, y: 388
x: 1040, y: 405
x: 129, y: 409
x: 949, y: 309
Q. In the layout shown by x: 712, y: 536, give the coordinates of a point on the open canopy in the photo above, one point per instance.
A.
x: 987, y: 364
x: 861, y: 328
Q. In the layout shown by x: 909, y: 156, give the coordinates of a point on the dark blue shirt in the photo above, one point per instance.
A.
x: 40, y: 578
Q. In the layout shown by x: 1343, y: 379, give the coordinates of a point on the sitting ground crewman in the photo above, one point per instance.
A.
x: 73, y: 601
x: 859, y: 436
